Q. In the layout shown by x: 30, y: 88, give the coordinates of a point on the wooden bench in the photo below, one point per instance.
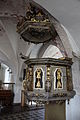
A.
x: 6, y: 97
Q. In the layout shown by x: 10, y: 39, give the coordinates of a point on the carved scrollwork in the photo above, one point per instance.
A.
x: 29, y: 76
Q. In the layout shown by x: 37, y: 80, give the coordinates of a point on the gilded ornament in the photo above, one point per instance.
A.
x: 24, y: 84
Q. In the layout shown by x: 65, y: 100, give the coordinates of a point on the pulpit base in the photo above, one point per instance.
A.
x: 55, y: 111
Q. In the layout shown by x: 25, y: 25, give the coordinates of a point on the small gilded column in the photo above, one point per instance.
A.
x: 31, y: 77
x: 48, y: 81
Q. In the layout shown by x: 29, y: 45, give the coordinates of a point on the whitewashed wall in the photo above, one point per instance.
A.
x: 73, y: 109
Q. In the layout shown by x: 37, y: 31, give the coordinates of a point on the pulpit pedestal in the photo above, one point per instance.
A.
x: 22, y: 98
x: 55, y: 111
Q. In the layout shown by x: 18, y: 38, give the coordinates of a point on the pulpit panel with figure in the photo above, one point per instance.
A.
x: 58, y: 75
x: 38, y: 75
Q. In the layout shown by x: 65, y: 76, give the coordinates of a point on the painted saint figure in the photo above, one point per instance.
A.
x: 58, y: 78
x: 38, y: 76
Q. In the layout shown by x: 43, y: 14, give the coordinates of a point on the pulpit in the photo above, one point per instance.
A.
x: 49, y: 82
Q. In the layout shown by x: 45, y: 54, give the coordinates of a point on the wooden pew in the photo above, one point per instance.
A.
x: 6, y: 97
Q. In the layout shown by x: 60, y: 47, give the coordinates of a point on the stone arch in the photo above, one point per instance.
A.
x: 57, y: 43
x: 52, y: 52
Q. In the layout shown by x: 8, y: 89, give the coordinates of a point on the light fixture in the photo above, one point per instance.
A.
x: 10, y: 72
x: 8, y: 69
x: 23, y: 56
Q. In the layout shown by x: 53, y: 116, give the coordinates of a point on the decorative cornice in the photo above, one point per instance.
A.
x: 50, y: 61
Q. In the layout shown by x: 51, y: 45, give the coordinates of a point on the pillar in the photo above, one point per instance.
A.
x: 55, y: 111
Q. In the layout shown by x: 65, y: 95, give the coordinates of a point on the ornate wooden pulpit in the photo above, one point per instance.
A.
x: 49, y: 82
